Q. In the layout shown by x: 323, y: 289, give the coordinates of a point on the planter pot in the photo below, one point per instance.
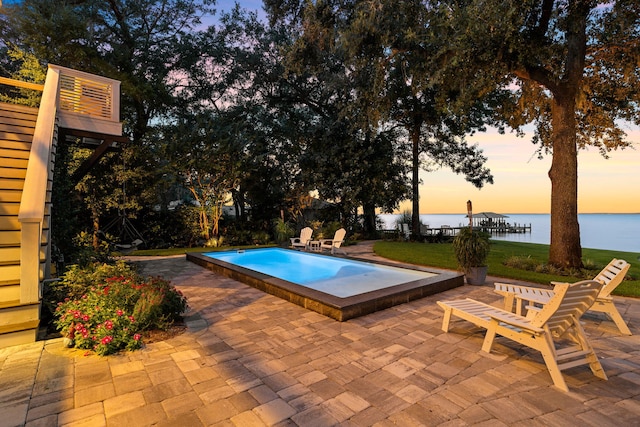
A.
x: 476, y: 275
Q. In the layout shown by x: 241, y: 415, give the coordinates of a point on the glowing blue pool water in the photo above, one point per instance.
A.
x: 334, y: 276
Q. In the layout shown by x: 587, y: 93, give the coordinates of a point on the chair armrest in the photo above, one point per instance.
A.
x: 330, y: 241
x: 532, y: 311
x: 524, y: 293
x: 507, y: 287
x: 515, y: 320
x: 504, y: 288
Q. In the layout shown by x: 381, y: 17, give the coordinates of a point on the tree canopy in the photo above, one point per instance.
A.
x: 343, y: 99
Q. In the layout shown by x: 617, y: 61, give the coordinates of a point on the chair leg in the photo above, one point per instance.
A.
x: 487, y: 344
x: 591, y: 357
x: 610, y: 309
x: 446, y: 318
x: 547, y: 349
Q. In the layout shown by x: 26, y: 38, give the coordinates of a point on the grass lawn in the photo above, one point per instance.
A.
x: 180, y: 251
x: 441, y: 255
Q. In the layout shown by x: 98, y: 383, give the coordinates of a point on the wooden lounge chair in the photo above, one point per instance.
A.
x: 334, y: 244
x: 303, y: 240
x: 545, y: 329
x: 611, y: 276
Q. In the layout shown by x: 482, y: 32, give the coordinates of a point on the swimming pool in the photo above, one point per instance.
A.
x: 340, y: 288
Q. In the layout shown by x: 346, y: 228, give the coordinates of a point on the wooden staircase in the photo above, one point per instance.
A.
x: 73, y: 102
x: 18, y: 321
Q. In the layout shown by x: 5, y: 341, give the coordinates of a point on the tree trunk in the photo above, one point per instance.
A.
x: 204, y: 223
x: 95, y: 217
x: 238, y: 203
x: 415, y: 168
x: 565, y: 250
x: 369, y: 219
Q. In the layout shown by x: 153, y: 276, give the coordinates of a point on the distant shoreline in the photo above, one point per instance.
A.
x: 526, y: 213
x: 608, y: 231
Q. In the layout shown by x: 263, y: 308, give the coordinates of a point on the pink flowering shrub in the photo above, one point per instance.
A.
x: 113, y: 315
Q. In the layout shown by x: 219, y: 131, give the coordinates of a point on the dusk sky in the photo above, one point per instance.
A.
x: 521, y: 183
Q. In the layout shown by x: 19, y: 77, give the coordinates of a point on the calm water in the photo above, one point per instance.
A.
x: 618, y: 232
x: 322, y: 273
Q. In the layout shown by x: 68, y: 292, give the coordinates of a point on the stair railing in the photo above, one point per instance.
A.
x: 34, y: 194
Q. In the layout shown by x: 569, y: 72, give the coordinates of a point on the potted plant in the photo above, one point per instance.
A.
x: 471, y: 249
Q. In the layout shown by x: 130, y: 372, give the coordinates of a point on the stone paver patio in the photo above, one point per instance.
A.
x: 251, y: 359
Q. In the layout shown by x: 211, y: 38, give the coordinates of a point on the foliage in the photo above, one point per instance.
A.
x: 345, y: 98
x: 78, y: 278
x: 387, y: 85
x: 260, y: 237
x: 133, y: 42
x: 239, y: 236
x: 108, y: 314
x: 329, y: 229
x: 214, y: 242
x: 65, y: 216
x: 318, y: 231
x: 85, y: 254
x: 471, y: 248
x: 199, y: 159
x: 589, y: 270
x: 28, y: 69
x: 171, y: 228
x: 212, y: 109
x: 441, y: 255
x: 282, y: 230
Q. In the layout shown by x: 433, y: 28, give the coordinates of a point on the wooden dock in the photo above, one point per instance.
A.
x: 446, y: 232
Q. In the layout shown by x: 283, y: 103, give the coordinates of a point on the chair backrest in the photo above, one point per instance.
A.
x: 612, y: 275
x: 305, y: 234
x: 568, y: 304
x: 338, y: 237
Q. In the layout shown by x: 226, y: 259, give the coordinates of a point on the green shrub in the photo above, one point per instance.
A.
x: 522, y: 262
x: 282, y: 231
x: 77, y: 279
x: 112, y: 313
x: 84, y: 252
x: 318, y: 230
x: 471, y: 248
x: 260, y: 238
x: 329, y: 230
x: 215, y: 242
x: 589, y: 270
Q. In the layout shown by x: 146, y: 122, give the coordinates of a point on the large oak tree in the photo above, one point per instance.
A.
x: 573, y: 66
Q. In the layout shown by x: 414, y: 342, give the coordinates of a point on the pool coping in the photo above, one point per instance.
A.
x: 340, y: 309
